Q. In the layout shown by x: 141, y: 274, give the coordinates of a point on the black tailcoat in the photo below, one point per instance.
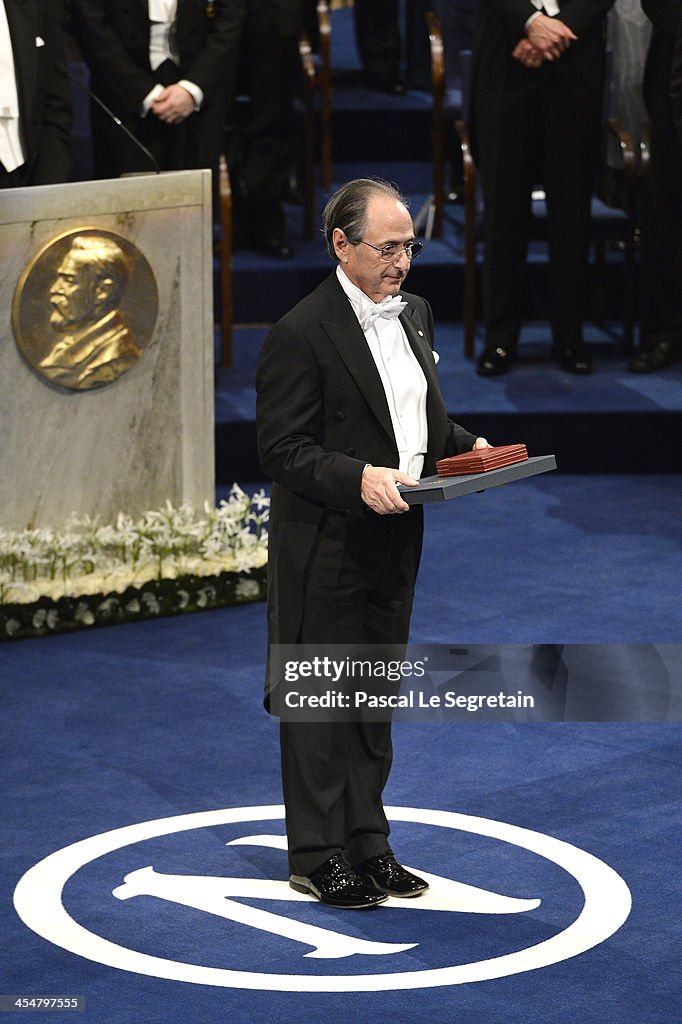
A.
x: 43, y: 89
x: 322, y: 416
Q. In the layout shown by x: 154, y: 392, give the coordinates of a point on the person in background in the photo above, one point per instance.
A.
x: 261, y: 130
x: 164, y: 67
x: 35, y: 94
x: 537, y: 88
x: 377, y: 31
x: 661, y: 253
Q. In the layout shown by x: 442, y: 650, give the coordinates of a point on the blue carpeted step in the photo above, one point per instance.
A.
x: 265, y: 287
x: 609, y: 422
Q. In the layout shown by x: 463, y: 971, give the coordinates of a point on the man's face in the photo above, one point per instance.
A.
x: 73, y: 295
x: 387, y: 221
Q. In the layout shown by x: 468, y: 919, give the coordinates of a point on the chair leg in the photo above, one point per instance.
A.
x: 469, y: 306
x: 629, y: 307
x: 325, y: 80
x: 225, y: 257
x: 437, y: 134
x: 307, y: 63
x: 600, y: 284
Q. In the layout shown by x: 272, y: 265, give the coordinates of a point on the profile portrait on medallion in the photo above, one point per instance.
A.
x: 85, y: 309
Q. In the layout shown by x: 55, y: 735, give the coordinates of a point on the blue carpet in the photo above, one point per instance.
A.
x: 535, y: 384
x: 145, y: 722
x: 557, y: 559
x: 610, y: 422
x: 107, y: 728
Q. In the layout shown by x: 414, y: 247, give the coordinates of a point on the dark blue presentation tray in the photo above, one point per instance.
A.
x: 442, y: 488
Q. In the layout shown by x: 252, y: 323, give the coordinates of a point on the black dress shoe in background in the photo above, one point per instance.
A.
x: 494, y: 361
x: 574, y: 360
x: 659, y: 356
x: 391, y: 877
x: 393, y: 86
x: 275, y: 245
x: 337, y: 884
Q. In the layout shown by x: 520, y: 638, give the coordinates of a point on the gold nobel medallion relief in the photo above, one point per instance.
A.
x: 85, y: 308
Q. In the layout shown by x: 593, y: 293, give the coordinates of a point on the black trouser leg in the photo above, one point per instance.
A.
x: 359, y: 591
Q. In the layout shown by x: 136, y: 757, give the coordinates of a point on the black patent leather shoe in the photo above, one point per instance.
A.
x: 337, y: 884
x: 574, y: 360
x: 494, y: 361
x: 391, y: 877
x: 656, y: 357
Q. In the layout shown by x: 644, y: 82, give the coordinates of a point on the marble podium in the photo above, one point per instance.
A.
x: 130, y: 426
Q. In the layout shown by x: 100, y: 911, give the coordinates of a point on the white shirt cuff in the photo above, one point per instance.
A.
x: 195, y: 92
x: 532, y: 18
x: 149, y: 99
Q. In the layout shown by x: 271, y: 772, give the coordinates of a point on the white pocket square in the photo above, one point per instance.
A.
x: 40, y: 41
x: 435, y: 355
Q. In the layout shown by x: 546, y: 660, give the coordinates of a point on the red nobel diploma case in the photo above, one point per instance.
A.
x: 481, y: 460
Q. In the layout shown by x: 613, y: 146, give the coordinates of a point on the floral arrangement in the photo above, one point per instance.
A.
x: 170, y: 559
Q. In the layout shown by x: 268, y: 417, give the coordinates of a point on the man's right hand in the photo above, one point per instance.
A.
x: 550, y: 36
x: 379, y: 492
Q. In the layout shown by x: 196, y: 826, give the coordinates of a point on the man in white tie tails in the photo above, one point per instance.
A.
x: 537, y: 90
x: 348, y: 407
x: 165, y: 67
x: 35, y: 94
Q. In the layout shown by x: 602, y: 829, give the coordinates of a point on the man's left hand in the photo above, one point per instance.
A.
x: 173, y: 105
x: 527, y: 54
x: 480, y: 442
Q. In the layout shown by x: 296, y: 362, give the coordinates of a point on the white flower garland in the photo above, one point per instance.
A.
x: 88, y: 557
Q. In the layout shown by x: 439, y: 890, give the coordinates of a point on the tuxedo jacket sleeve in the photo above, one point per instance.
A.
x: 322, y: 413
x: 43, y: 87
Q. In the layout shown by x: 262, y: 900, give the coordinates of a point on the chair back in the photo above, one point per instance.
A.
x: 464, y: 61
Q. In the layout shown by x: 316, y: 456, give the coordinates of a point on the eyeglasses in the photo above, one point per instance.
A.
x: 394, y: 250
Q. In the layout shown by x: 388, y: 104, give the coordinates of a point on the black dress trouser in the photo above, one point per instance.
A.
x: 537, y: 127
x: 359, y: 590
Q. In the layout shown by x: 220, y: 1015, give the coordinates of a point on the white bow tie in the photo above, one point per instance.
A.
x: 388, y: 308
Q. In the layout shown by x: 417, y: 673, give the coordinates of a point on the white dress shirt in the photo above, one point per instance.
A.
x: 161, y: 16
x: 11, y: 150
x: 402, y: 378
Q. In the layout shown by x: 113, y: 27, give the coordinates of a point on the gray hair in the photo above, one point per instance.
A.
x: 347, y: 208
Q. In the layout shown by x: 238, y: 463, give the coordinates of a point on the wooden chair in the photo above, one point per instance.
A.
x: 223, y: 253
x: 317, y: 78
x: 447, y: 105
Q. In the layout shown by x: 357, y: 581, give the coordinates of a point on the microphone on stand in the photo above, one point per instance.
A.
x: 117, y: 120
